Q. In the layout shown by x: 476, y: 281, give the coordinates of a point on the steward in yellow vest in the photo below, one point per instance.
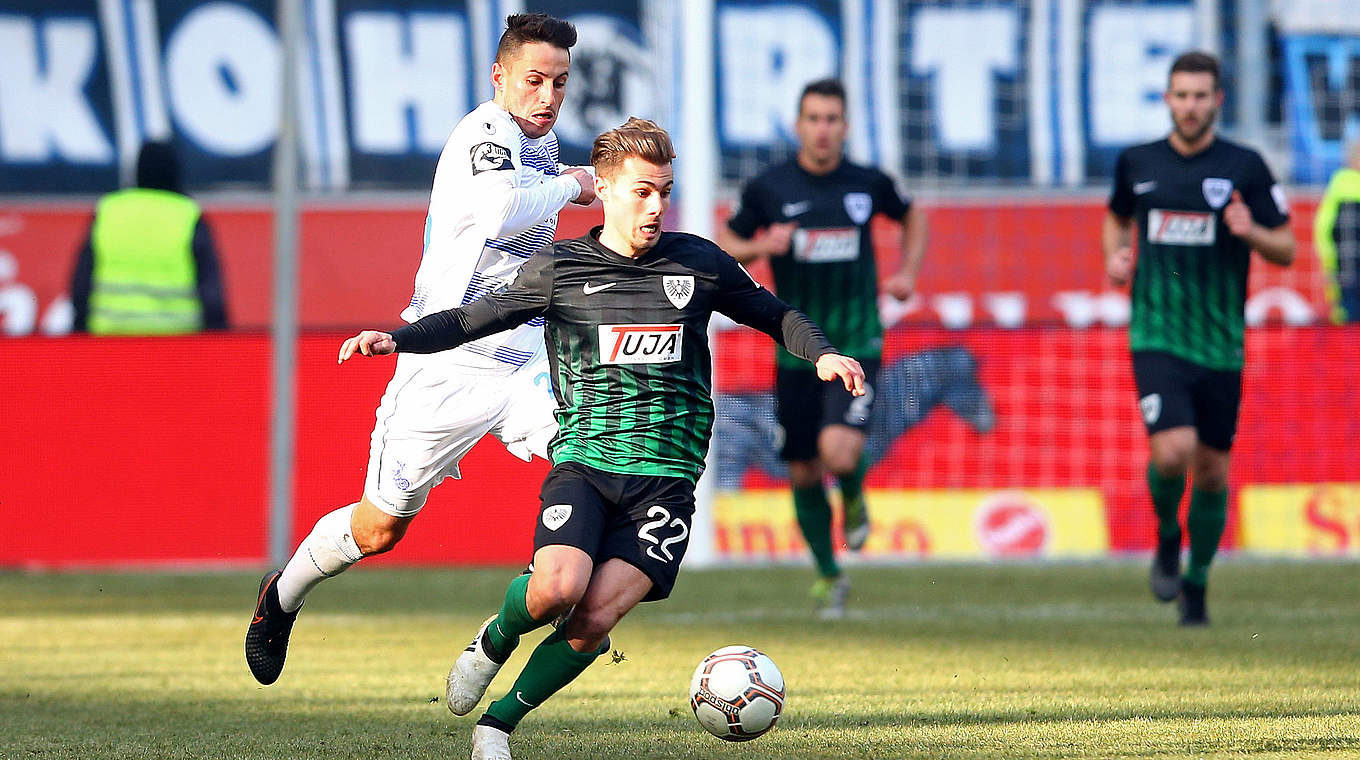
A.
x: 1336, y: 236
x: 149, y: 266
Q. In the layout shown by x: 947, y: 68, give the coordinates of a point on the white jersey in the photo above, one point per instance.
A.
x: 494, y: 204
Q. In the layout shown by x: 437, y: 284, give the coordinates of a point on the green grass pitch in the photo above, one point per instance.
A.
x: 967, y: 661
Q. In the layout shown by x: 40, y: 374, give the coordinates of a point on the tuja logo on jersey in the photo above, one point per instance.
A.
x: 1181, y: 227
x: 640, y: 344
x: 820, y: 246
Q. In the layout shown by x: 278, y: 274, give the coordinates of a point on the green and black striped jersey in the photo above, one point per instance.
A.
x: 829, y: 271
x: 1190, y: 283
x: 628, y: 344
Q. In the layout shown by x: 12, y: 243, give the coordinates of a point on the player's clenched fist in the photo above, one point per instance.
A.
x: 1119, y: 266
x: 368, y: 343
x: 1237, y: 216
x: 832, y: 366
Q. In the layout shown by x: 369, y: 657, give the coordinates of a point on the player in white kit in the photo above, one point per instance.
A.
x: 497, y: 191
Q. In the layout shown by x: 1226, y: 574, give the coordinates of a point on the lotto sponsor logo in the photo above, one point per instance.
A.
x: 640, y: 344
x: 1011, y: 525
x: 759, y: 525
x: 820, y: 246
x: 1181, y: 227
x: 1304, y: 520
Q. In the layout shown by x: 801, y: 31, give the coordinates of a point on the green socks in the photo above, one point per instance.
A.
x: 513, y: 620
x: 852, y: 485
x: 1166, y: 501
x: 1208, y: 515
x: 814, y: 519
x: 553, y: 665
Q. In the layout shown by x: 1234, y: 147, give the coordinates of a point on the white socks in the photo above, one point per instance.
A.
x: 326, y: 552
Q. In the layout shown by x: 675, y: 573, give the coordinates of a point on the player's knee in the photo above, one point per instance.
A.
x: 841, y: 463
x: 1172, y: 461
x: 377, y: 540
x: 805, y: 474
x: 1210, y: 478
x: 591, y: 625
x: 378, y: 536
x: 554, y: 593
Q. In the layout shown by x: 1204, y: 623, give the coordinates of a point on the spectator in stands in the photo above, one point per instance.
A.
x: 148, y: 265
x: 1336, y: 235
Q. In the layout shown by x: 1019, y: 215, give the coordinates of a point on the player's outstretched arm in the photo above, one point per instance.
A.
x: 368, y: 343
x: 832, y: 366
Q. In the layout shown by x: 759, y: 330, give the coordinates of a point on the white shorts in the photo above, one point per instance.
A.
x: 432, y: 414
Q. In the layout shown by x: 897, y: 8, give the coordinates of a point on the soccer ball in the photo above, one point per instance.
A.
x: 737, y: 693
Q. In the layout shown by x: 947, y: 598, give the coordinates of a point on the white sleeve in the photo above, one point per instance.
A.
x: 504, y: 209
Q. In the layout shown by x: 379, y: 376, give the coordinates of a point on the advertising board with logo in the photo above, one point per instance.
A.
x: 1302, y: 520
x: 758, y: 525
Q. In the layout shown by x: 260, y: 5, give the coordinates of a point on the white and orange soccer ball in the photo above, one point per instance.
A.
x: 737, y: 693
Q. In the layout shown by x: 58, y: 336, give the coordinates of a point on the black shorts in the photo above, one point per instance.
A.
x: 1173, y: 392
x: 643, y: 520
x: 804, y: 404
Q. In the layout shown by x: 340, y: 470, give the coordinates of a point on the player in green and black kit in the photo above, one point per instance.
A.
x: 627, y: 309
x: 1201, y: 205
x: 811, y: 217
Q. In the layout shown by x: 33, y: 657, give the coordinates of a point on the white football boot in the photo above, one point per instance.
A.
x: 490, y: 743
x: 468, y: 678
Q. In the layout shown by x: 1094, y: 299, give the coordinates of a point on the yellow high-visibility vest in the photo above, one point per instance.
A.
x: 145, y: 281
x: 1344, y: 188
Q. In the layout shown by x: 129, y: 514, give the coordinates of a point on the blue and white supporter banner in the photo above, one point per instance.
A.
x: 1016, y: 92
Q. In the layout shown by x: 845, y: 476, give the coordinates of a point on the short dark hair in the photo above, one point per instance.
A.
x: 1196, y: 62
x: 523, y: 28
x: 636, y: 138
x: 829, y: 87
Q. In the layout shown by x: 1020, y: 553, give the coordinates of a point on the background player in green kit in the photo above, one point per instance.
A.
x: 811, y: 217
x: 627, y: 309
x: 1201, y: 205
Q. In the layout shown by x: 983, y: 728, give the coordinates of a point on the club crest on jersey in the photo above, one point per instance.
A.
x: 556, y: 516
x: 640, y: 344
x: 859, y: 206
x: 489, y: 156
x: 1151, y: 407
x: 679, y: 288
x: 1217, y: 190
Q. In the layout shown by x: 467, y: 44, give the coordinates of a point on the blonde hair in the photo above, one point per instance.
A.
x: 636, y: 138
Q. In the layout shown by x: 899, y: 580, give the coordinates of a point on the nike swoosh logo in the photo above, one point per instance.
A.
x: 521, y: 700
x: 589, y: 289
x: 1145, y: 187
x: 257, y: 619
x: 794, y: 209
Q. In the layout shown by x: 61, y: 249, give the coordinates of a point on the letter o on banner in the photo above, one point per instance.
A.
x: 222, y: 66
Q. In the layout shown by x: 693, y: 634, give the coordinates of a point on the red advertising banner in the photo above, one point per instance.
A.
x: 1009, y: 373
x: 141, y: 451
x: 1053, y: 408
x: 1011, y: 264
x: 155, y: 451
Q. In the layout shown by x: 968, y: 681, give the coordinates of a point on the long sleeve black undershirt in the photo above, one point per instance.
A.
x: 529, y: 296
